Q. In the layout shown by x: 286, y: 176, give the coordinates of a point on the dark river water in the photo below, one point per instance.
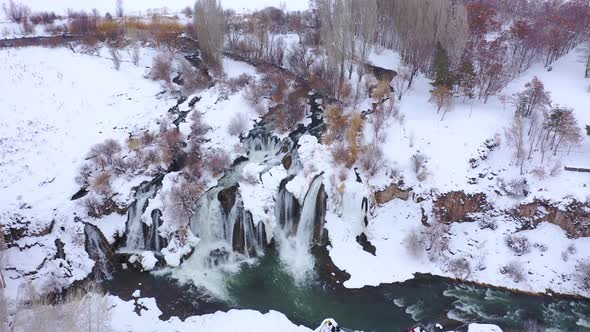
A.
x: 265, y: 286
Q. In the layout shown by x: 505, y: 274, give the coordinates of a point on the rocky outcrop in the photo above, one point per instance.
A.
x: 100, y: 252
x: 227, y: 198
x: 320, y: 217
x: 456, y: 206
x: 19, y: 227
x: 390, y: 192
x: 574, y: 218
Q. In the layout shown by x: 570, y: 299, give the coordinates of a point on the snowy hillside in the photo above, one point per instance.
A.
x: 390, y: 165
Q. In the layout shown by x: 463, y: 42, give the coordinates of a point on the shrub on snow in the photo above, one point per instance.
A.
x: 514, y: 271
x: 518, y: 244
x: 460, y: 268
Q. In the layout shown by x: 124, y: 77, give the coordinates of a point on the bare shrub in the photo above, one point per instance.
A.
x: 237, y: 125
x: 171, y: 143
x: 234, y: 84
x: 101, y: 184
x: 570, y: 250
x: 418, y: 162
x: 103, y: 153
x: 401, y: 82
x: 514, y: 271
x: 414, y: 243
x: 116, y: 57
x: 518, y: 244
x: 83, y: 310
x: 460, y: 268
x: 183, y: 200
x: 217, y: 161
x: 371, y: 158
x: 46, y: 18
x: 340, y: 153
x: 161, y: 68
x: 192, y: 78
x: 254, y: 93
x: 134, y: 52
x: 516, y: 188
x: 583, y: 274
x: 82, y: 24
x: 147, y: 138
x: 381, y: 91
x: 16, y: 12
x: 436, y: 240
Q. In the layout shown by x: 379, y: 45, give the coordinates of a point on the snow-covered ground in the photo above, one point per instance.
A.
x: 55, y: 106
x: 450, y: 144
x: 143, y: 6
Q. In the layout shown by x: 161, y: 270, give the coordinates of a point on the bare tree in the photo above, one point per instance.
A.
x: 401, y: 81
x: 135, y: 53
x: 516, y: 136
x: 116, y: 57
x: 209, y: 23
x: 16, y: 12
x: 301, y: 60
x: 442, y: 97
x: 120, y: 12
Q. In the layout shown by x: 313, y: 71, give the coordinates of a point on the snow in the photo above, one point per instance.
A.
x: 124, y: 319
x: 148, y: 260
x: 55, y: 106
x: 483, y: 328
x: 143, y: 6
x: 449, y: 144
x: 136, y: 293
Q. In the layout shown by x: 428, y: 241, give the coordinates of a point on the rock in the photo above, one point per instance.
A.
x: 574, y: 219
x: 456, y: 206
x: 227, y: 198
x: 390, y: 192
x: 287, y: 161
x: 366, y: 244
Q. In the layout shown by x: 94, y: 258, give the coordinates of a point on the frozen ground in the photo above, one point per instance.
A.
x: 450, y: 144
x: 143, y: 6
x: 55, y: 105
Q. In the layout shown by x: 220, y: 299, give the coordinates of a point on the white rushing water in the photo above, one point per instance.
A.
x: 295, y: 242
x: 135, y: 223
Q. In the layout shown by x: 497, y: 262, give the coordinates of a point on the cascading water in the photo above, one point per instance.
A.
x: 100, y: 252
x: 227, y: 232
x: 142, y: 230
x: 295, y: 239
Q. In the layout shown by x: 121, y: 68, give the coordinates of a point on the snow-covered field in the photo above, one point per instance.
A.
x: 55, y: 106
x: 143, y: 6
x: 449, y: 144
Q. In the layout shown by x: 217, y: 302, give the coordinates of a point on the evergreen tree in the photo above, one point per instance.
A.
x: 467, y: 78
x: 440, y: 68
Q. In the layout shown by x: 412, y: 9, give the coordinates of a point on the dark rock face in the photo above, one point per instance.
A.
x: 366, y: 244
x: 99, y: 250
x: 59, y: 250
x: 227, y: 198
x: 287, y: 161
x: 246, y: 239
x: 320, y: 217
x: 286, y: 199
x: 153, y: 240
x: 19, y: 227
x: 79, y: 194
x: 456, y: 206
x: 574, y: 218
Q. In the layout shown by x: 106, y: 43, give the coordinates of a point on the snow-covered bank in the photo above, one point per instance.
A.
x: 55, y: 106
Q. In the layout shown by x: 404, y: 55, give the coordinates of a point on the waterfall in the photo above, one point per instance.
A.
x: 142, y: 235
x: 99, y: 251
x: 287, y: 209
x: 295, y: 240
